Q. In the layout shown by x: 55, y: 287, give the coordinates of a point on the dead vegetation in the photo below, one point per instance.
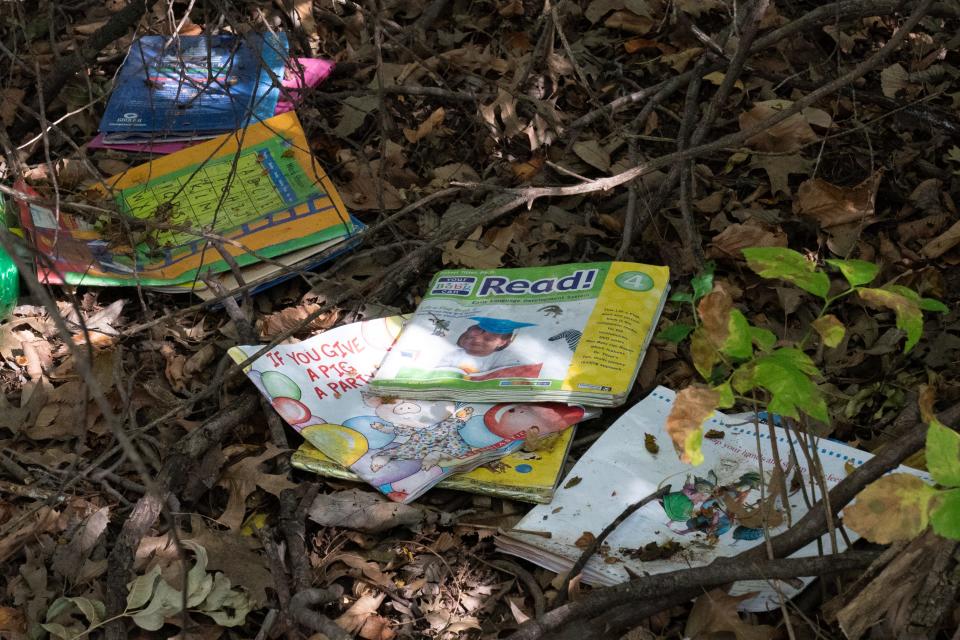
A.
x: 475, y: 134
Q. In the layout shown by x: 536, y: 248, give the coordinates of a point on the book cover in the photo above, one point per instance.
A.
x: 573, y: 332
x: 189, y: 87
x: 712, y: 510
x: 523, y: 476
x: 258, y: 193
x: 398, y: 445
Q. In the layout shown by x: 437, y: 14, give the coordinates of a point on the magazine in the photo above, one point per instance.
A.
x: 526, y: 476
x: 569, y: 333
x: 398, y: 445
x: 194, y: 87
x: 306, y: 73
x: 712, y: 510
x: 259, y: 192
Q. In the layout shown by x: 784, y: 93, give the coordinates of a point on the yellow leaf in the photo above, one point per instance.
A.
x: 691, y: 408
x: 831, y: 330
x: 895, y: 507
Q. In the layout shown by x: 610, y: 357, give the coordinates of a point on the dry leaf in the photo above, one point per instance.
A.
x: 355, y: 618
x: 361, y: 191
x: 593, y: 154
x: 585, y: 540
x: 44, y: 520
x: 287, y: 319
x: 779, y: 168
x: 630, y: 22
x: 477, y: 253
x: 426, y: 127
x: 831, y: 205
x: 715, y: 613
x: 243, y: 478
x: 942, y: 243
x: 894, y: 79
x: 69, y: 559
x: 236, y: 557
x: 681, y: 59
x: 10, y: 99
x: 363, y: 511
x: 736, y: 237
x: 714, y: 310
x: 787, y: 136
x: 690, y: 410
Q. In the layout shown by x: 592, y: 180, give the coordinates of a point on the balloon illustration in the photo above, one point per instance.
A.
x: 285, y: 397
x: 342, y: 444
x: 512, y: 420
x: 382, y: 332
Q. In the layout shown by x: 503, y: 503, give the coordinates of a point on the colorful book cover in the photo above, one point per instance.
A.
x: 400, y: 446
x: 258, y: 192
x: 189, y: 87
x: 573, y: 332
x: 524, y: 476
x: 712, y: 510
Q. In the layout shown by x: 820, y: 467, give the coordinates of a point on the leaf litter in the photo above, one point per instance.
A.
x: 864, y: 173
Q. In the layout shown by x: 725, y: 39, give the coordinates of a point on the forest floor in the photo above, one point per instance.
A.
x: 466, y: 134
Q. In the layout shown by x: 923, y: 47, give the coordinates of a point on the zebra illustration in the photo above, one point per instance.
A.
x: 570, y: 336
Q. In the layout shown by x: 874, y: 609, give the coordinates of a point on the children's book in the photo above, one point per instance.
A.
x: 712, y: 510
x: 568, y: 333
x: 194, y: 87
x: 255, y: 194
x: 524, y: 476
x: 302, y: 73
x: 400, y: 446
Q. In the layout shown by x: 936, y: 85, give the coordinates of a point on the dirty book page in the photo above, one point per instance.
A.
x: 712, y: 510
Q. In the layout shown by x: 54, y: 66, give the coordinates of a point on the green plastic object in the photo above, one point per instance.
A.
x: 9, y: 284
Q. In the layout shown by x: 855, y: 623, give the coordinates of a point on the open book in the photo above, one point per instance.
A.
x: 194, y: 87
x: 713, y: 510
x: 525, y: 476
x: 400, y: 446
x: 257, y: 195
x: 567, y: 333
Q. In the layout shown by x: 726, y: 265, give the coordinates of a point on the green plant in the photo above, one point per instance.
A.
x: 900, y: 506
x: 740, y: 360
x: 151, y: 600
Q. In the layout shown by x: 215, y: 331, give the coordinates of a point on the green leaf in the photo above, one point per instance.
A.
x: 93, y: 610
x: 58, y: 631
x: 831, y: 330
x: 895, y: 507
x: 738, y: 343
x: 199, y: 583
x: 786, y: 374
x: 675, y: 333
x: 166, y: 602
x: 786, y: 264
x: 681, y: 297
x: 932, y: 304
x: 943, y: 454
x: 726, y: 395
x: 763, y: 338
x: 856, y: 272
x: 945, y: 514
x: 703, y: 283
x: 228, y: 607
x: 909, y: 316
x: 141, y: 588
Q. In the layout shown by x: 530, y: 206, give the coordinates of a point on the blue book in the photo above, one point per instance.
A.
x: 194, y: 87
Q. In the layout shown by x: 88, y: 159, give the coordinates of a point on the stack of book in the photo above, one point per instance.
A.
x: 249, y: 205
x: 490, y: 364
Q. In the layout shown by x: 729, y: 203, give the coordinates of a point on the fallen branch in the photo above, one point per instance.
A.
x: 595, y: 544
x: 720, y: 572
x: 302, y: 609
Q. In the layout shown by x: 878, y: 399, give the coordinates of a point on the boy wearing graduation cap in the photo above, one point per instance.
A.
x: 480, y: 351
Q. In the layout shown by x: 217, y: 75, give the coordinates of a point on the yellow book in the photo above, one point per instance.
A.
x: 527, y: 477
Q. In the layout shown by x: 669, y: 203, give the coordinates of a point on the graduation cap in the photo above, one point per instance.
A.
x: 498, y: 325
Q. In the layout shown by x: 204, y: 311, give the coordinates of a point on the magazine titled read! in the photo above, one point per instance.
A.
x: 573, y: 332
x: 399, y: 445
